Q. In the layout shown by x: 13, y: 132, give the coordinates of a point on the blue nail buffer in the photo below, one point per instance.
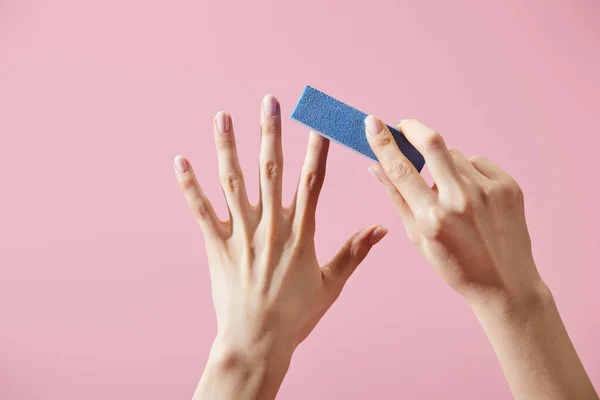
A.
x: 344, y: 124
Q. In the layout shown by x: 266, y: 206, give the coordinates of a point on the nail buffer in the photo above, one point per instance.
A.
x: 345, y: 125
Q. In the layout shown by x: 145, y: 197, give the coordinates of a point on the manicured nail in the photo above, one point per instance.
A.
x: 373, y: 125
x: 270, y: 105
x: 223, y: 122
x: 181, y: 164
x: 373, y: 172
x: 377, y: 234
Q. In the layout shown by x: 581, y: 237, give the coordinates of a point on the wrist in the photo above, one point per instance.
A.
x: 231, y: 355
x: 525, y: 305
x: 251, y: 371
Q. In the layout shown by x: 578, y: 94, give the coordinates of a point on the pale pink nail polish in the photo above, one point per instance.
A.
x: 377, y: 234
x: 373, y: 125
x: 270, y: 105
x: 181, y: 164
x: 223, y: 122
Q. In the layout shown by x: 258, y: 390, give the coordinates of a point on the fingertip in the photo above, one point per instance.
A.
x: 373, y: 125
x: 222, y: 122
x: 270, y: 105
x: 317, y: 142
x: 372, y: 170
x: 181, y: 164
x: 220, y: 113
x: 375, y: 170
x: 316, y: 135
x: 377, y: 234
x: 406, y: 121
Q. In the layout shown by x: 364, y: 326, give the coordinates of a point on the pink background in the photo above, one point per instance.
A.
x: 104, y: 289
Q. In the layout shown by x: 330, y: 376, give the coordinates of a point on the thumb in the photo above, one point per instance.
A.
x: 353, y: 252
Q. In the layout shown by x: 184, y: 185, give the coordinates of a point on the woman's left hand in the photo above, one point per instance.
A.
x: 269, y: 290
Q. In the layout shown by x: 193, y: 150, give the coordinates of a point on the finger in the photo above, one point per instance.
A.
x: 197, y: 202
x: 487, y: 168
x: 230, y: 171
x: 433, y: 148
x: 463, y: 165
x: 474, y: 183
x: 403, y: 209
x: 397, y: 167
x: 271, y: 155
x: 352, y: 253
x: 311, y: 179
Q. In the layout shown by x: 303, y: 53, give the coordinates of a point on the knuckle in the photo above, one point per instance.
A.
x: 511, y: 190
x: 272, y: 170
x: 398, y: 170
x: 462, y: 199
x: 382, y: 141
x: 433, y: 141
x: 519, y: 194
x: 484, y: 194
x: 224, y: 143
x: 187, y: 183
x: 463, y: 205
x: 200, y: 210
x: 312, y: 180
x: 231, y: 182
x: 432, y: 223
x: 487, y: 192
x: 270, y: 126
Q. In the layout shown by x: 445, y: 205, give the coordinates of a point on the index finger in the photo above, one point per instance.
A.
x: 397, y: 167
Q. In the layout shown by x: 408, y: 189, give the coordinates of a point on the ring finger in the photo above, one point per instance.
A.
x: 230, y: 171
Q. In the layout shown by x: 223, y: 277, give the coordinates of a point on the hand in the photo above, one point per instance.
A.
x: 470, y: 225
x: 471, y: 228
x: 269, y: 290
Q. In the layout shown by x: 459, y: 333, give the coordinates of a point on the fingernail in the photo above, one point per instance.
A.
x: 181, y: 164
x: 377, y: 234
x: 373, y: 172
x: 270, y: 105
x: 223, y: 122
x: 373, y: 125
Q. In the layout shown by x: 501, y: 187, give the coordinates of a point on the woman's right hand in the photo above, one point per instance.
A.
x: 471, y: 228
x: 470, y: 225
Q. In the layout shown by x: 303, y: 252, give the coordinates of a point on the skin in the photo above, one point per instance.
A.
x: 470, y: 226
x: 269, y: 290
